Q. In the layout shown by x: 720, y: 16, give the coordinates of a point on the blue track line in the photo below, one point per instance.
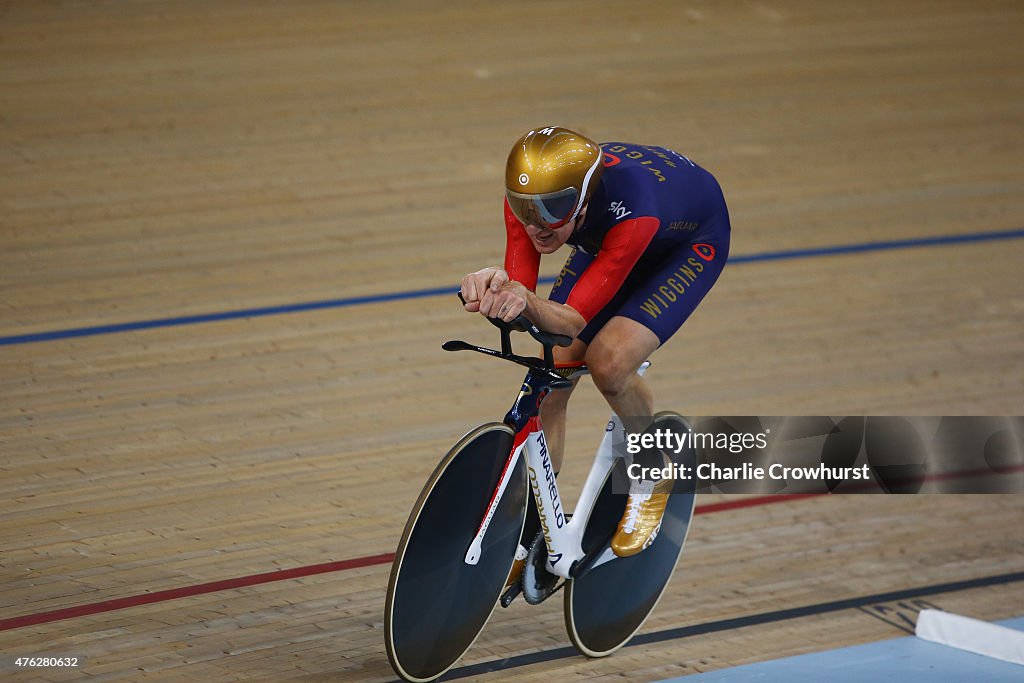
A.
x: 939, y: 240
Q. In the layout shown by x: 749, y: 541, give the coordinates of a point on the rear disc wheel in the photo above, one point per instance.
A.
x: 608, y: 604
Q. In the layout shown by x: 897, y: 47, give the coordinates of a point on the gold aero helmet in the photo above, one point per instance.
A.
x: 551, y: 172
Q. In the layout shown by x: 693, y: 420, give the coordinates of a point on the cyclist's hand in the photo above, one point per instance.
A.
x: 506, y: 303
x: 475, y: 285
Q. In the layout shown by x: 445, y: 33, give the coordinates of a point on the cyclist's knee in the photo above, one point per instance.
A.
x: 611, y: 373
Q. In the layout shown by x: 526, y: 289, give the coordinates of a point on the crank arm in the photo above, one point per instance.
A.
x: 595, y: 559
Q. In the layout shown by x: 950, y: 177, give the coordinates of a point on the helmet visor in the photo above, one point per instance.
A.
x: 548, y: 210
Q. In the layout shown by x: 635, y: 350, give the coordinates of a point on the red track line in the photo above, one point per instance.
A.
x: 753, y: 502
x: 295, y: 573
x: 188, y: 591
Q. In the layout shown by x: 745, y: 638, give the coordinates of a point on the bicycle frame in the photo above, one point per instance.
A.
x: 453, y: 512
x: 562, y: 535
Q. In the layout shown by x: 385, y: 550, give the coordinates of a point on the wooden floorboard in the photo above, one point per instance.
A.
x: 161, y: 160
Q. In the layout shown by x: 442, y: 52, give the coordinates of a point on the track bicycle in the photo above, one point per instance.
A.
x: 461, y: 539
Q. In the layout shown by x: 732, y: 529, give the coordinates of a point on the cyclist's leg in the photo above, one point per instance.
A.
x: 554, y: 407
x: 653, y: 304
x: 552, y: 415
x: 660, y: 300
x: 613, y: 357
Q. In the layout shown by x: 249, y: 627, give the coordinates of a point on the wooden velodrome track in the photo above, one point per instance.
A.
x: 167, y: 160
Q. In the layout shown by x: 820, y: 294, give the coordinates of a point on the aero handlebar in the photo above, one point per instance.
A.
x: 548, y: 340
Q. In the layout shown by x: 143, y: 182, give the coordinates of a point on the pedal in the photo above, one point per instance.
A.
x: 538, y: 583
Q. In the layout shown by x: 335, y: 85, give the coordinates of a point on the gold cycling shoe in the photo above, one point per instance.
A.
x: 641, y: 522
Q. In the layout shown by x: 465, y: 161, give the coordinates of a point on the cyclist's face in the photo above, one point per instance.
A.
x: 548, y: 240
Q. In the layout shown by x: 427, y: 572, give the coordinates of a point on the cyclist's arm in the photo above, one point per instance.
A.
x: 522, y: 260
x: 522, y: 264
x: 620, y: 250
x: 508, y: 299
x: 551, y: 316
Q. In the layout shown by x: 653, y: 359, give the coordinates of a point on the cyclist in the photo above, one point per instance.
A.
x: 649, y: 231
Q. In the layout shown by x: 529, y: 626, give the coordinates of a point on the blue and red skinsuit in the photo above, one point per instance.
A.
x: 654, y: 241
